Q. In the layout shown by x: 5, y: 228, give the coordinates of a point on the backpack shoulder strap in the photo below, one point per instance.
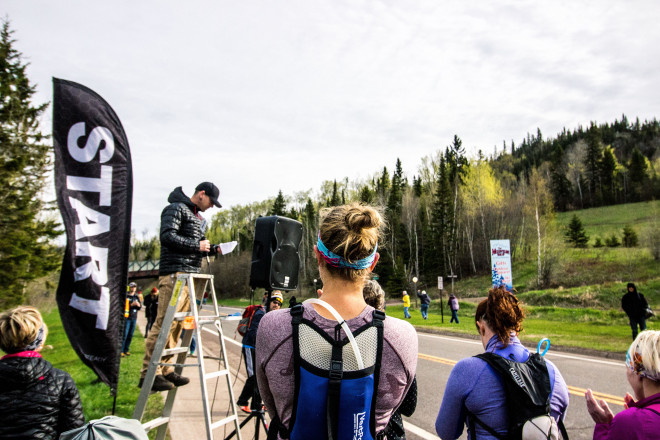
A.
x: 296, y: 319
x: 377, y: 321
x: 254, y: 311
x: 527, y: 382
x: 296, y: 314
x: 378, y: 317
x: 335, y: 376
x: 471, y: 418
x: 276, y: 427
x: 562, y: 429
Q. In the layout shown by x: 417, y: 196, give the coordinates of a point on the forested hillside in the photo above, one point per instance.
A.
x: 599, y: 166
x: 442, y: 219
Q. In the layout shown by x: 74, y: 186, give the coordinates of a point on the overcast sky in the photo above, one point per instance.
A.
x: 258, y: 96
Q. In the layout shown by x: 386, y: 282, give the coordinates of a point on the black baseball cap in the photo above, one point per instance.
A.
x: 210, y: 190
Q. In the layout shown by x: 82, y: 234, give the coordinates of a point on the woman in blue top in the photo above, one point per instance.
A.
x: 475, y: 387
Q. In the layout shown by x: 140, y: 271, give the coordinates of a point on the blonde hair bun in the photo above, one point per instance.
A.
x: 351, y: 231
x: 360, y: 218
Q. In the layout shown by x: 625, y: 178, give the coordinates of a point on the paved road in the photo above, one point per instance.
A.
x: 438, y: 354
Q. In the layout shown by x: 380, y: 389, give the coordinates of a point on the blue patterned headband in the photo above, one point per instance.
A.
x: 38, y: 340
x: 335, y: 260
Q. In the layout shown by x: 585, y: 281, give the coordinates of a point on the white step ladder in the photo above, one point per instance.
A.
x: 159, y: 351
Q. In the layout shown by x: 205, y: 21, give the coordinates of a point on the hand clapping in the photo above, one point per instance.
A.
x: 599, y: 410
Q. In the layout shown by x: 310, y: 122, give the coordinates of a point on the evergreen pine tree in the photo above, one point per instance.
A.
x: 310, y: 228
x: 637, y: 173
x: 334, y: 199
x: 396, y: 233
x: 292, y: 214
x: 560, y: 185
x: 440, y: 221
x: 366, y: 195
x: 613, y: 241
x: 456, y: 166
x: 26, y: 251
x: 591, y: 162
x: 418, y: 188
x: 575, y: 233
x: 630, y: 238
x: 279, y: 205
x: 383, y: 186
x: 607, y: 168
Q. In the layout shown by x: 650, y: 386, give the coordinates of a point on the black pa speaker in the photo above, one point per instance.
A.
x: 275, y: 257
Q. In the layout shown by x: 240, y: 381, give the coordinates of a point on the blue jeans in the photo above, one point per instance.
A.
x: 454, y: 316
x: 128, y: 334
x: 405, y: 312
x: 193, y: 342
x: 425, y: 310
x: 633, y: 325
x: 251, y: 383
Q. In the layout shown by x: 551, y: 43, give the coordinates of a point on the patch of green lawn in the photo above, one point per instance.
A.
x: 232, y: 302
x: 605, y: 330
x: 95, y: 396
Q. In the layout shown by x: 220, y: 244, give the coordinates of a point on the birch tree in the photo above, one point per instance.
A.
x: 539, y: 207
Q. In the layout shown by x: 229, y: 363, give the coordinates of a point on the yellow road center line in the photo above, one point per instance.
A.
x: 615, y: 400
x: 440, y: 360
x: 576, y: 391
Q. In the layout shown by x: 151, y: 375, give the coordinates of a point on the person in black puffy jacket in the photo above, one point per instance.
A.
x: 634, y: 304
x: 182, y: 246
x: 38, y: 401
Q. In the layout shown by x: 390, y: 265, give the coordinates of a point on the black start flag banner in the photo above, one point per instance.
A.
x: 94, y: 185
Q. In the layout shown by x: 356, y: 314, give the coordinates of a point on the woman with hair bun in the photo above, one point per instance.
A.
x: 641, y: 419
x: 306, y: 353
x: 475, y: 389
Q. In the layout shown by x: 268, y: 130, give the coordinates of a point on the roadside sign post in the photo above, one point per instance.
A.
x: 414, y: 280
x: 442, y: 310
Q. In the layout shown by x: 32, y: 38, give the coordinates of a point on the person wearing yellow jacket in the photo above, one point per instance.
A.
x: 406, y: 304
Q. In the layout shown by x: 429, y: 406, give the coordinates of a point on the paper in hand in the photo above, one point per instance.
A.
x: 226, y: 248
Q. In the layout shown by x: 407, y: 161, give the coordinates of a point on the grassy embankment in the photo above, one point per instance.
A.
x: 583, y: 308
x: 95, y: 396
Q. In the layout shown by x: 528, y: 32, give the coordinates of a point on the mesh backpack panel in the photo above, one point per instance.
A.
x: 317, y: 350
x: 334, y: 399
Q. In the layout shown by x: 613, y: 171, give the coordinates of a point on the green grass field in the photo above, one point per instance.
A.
x: 589, y: 277
x: 608, y: 220
x: 603, y: 330
x: 95, y: 396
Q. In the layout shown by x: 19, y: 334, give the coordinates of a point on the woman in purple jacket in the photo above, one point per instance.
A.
x: 474, y: 387
x: 641, y: 419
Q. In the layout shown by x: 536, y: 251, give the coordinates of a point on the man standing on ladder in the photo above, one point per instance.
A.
x: 183, y: 245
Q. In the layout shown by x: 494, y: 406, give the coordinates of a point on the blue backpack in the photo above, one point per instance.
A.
x: 335, y: 379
